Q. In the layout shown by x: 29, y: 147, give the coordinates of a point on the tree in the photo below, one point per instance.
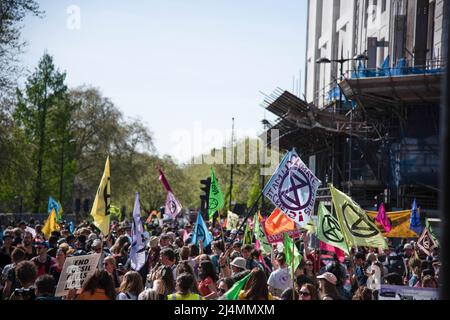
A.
x: 45, y: 95
x: 12, y: 13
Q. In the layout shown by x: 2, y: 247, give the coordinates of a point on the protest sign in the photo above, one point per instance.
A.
x: 75, y: 271
x: 391, y: 292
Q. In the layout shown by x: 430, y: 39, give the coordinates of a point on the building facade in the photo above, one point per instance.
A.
x: 369, y: 123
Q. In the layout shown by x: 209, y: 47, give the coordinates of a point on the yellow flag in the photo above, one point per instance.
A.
x: 50, y: 225
x: 399, y: 223
x: 100, y: 208
x: 356, y: 226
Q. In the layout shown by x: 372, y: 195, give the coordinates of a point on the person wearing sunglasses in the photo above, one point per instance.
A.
x: 308, y: 292
x: 224, y: 285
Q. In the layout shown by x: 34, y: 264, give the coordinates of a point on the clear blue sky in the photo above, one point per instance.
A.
x: 177, y: 63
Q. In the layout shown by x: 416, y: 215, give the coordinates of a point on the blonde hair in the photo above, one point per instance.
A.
x: 149, y: 294
x: 132, y: 283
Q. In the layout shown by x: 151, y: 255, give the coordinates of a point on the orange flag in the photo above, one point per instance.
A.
x: 277, y: 224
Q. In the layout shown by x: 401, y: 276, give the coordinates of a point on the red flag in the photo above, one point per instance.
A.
x: 382, y: 218
x: 164, y: 181
x: 339, y: 253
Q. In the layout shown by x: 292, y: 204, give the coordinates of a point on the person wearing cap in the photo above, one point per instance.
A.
x: 280, y: 279
x: 327, y: 287
x: 43, y: 261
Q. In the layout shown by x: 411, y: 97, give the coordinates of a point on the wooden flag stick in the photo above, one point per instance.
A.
x: 293, y: 271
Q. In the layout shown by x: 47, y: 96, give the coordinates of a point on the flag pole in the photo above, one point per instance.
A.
x: 292, y: 267
x: 247, y: 216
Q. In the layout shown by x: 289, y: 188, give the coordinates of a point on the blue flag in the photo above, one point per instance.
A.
x: 201, y: 232
x: 414, y: 223
x: 53, y: 204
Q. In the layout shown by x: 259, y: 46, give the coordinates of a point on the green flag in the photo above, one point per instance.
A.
x: 233, y: 293
x: 328, y: 229
x: 430, y: 229
x: 248, y: 237
x: 356, y: 226
x: 264, y: 245
x: 216, y: 199
x: 288, y: 245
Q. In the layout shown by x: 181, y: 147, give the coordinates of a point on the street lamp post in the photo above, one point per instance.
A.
x: 341, y: 62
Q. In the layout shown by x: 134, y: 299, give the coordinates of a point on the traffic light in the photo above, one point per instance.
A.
x: 205, y: 197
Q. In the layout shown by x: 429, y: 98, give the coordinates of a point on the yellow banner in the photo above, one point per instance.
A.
x: 102, y: 202
x: 50, y: 225
x: 399, y: 222
x: 357, y: 228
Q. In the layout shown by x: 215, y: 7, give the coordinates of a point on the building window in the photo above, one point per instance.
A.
x: 383, y: 6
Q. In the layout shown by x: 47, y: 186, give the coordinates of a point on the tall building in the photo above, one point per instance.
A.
x: 370, y: 121
x: 393, y: 29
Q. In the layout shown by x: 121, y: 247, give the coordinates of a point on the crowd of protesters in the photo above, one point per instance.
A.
x: 176, y: 269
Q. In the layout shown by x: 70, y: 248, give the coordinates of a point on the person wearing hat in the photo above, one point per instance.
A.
x: 280, y: 279
x: 43, y: 261
x: 327, y: 287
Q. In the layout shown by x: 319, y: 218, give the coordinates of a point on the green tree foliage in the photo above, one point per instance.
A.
x: 40, y: 110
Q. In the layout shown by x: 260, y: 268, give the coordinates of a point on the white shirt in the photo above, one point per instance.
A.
x: 280, y: 280
x: 123, y: 296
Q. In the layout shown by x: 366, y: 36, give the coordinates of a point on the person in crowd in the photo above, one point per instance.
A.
x: 53, y: 244
x: 99, y: 286
x: 109, y: 264
x: 45, y: 288
x: 429, y: 281
x: 256, y: 287
x: 280, y: 279
x: 247, y: 255
x: 56, y: 268
x: 360, y: 271
x: 223, y: 286
x: 393, y: 278
x: 327, y: 287
x: 184, y: 283
x: 149, y: 294
x: 131, y: 286
x: 27, y: 246
x: 43, y: 261
x: 26, y: 273
x: 6, y: 250
x: 168, y: 259
x: 208, y: 277
x: 217, y: 249
x: 414, y: 267
x: 308, y: 292
x: 363, y: 293
x: 9, y: 272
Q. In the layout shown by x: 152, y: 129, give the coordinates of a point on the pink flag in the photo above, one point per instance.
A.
x: 185, y: 235
x: 339, y: 253
x: 164, y: 181
x: 382, y: 218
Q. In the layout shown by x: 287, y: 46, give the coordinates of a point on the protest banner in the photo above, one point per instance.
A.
x: 292, y: 188
x: 399, y: 221
x: 391, y: 292
x: 75, y: 272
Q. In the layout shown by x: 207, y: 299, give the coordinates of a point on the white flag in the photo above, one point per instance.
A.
x: 293, y: 188
x: 137, y: 252
x: 173, y: 207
